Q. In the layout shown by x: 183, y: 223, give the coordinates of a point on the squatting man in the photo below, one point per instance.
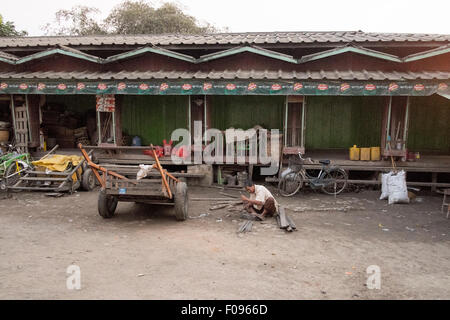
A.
x: 261, y: 202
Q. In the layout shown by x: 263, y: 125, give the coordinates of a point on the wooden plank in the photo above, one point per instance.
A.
x: 283, y: 221
x: 42, y: 179
x: 211, y: 199
x: 142, y: 193
x: 291, y: 222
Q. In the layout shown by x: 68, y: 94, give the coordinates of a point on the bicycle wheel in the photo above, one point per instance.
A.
x: 334, y: 181
x: 290, y: 184
x: 13, y: 173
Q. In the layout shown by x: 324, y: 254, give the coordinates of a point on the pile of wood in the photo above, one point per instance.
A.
x: 284, y: 221
x: 245, y: 226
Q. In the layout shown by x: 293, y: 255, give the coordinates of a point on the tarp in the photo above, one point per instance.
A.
x: 57, y: 162
x: 230, y: 87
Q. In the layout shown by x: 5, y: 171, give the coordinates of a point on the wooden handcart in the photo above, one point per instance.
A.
x: 162, y: 190
x: 69, y: 180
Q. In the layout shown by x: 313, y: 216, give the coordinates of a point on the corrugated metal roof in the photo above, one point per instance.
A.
x: 257, y: 38
x: 230, y: 74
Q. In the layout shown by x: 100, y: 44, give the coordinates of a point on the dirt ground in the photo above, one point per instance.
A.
x: 143, y: 253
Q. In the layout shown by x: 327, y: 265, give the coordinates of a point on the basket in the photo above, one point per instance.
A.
x: 295, y: 163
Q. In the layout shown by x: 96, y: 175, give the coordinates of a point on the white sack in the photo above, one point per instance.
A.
x: 384, y: 186
x: 398, y: 192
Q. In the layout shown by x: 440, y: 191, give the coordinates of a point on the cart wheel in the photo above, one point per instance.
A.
x: 106, y: 205
x: 181, y: 201
x: 88, y: 180
x: 13, y: 173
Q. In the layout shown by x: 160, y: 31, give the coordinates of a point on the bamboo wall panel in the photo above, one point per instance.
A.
x: 244, y: 112
x: 153, y: 118
x: 340, y: 122
x: 429, y: 124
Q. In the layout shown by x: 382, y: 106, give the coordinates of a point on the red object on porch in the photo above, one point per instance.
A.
x: 181, y: 152
x: 167, y: 147
x: 159, y: 152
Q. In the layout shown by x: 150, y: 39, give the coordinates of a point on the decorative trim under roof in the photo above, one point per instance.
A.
x: 350, y: 48
x: 252, y: 49
x: 427, y: 54
x: 153, y: 49
x: 71, y: 52
x: 63, y: 50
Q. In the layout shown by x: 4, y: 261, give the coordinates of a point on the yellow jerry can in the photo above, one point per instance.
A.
x: 375, y: 153
x: 354, y: 153
x: 365, y: 154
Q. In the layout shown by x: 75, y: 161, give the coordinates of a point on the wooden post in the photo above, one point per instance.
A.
x: 99, y: 128
x: 13, y: 113
x: 388, y: 127
x: 405, y: 131
x: 303, y: 130
x: 30, y: 136
x: 206, y: 115
x: 118, y: 120
x: 286, y: 112
x: 190, y: 116
x: 434, y: 180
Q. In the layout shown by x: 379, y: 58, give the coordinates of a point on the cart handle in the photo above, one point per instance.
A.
x: 161, y: 171
x: 96, y: 167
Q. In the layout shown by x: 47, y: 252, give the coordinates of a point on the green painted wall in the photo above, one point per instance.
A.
x: 429, y: 125
x: 153, y: 118
x: 244, y: 112
x: 336, y: 122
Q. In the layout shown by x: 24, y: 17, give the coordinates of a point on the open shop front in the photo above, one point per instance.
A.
x: 6, y: 121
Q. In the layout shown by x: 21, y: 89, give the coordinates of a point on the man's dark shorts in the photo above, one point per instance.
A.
x: 269, y: 206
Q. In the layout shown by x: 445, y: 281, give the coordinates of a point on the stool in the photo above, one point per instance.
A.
x: 445, y: 203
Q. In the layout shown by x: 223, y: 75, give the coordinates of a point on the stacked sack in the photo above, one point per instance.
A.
x: 393, y: 187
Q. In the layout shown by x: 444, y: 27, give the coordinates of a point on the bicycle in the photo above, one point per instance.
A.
x: 12, y: 165
x: 331, y: 179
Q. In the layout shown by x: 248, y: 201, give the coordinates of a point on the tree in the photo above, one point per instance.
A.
x: 139, y: 17
x: 78, y: 21
x: 129, y: 17
x: 7, y: 29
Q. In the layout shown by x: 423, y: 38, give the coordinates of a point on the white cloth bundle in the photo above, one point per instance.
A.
x: 145, y: 170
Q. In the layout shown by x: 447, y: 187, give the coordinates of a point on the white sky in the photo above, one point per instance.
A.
x: 409, y: 16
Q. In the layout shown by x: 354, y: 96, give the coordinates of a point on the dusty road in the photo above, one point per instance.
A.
x: 143, y: 253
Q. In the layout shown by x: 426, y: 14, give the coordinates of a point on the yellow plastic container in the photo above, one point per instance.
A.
x: 354, y: 153
x: 365, y: 154
x: 375, y: 153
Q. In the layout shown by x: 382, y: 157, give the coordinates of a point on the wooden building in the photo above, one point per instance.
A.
x: 326, y: 91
